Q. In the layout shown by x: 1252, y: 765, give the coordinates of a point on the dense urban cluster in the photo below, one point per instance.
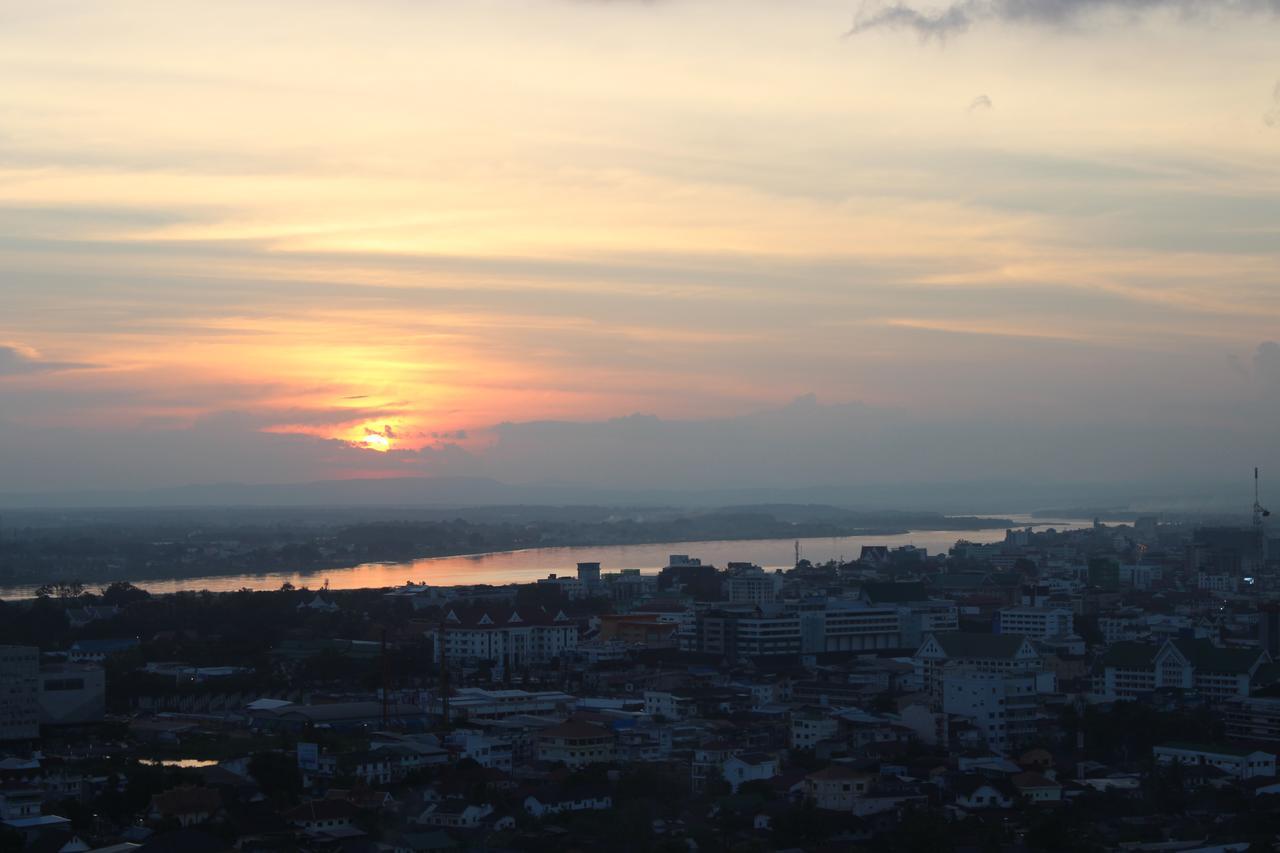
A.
x: 1114, y: 687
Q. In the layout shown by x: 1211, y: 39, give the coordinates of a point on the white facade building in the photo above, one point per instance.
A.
x: 1003, y: 706
x: 1038, y: 623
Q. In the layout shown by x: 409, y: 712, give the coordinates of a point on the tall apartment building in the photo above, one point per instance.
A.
x: 749, y: 584
x: 19, y: 692
x: 1004, y: 706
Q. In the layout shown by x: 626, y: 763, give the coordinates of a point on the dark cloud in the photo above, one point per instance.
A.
x: 16, y: 360
x: 1272, y: 116
x: 960, y: 15
x: 982, y: 102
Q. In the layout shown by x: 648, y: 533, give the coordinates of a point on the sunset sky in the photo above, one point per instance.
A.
x: 672, y: 242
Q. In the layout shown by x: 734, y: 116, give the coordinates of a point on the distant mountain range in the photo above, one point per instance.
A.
x: 972, y: 497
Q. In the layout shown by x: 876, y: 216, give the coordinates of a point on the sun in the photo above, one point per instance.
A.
x: 375, y: 441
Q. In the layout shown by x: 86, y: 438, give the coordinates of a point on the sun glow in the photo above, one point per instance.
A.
x: 375, y: 441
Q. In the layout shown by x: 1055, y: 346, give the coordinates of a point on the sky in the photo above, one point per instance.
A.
x: 676, y: 243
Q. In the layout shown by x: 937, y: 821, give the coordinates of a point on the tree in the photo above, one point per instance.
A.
x: 61, y: 589
x: 122, y: 593
x: 277, y: 774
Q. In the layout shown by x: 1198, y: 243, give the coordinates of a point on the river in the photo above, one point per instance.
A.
x: 530, y: 564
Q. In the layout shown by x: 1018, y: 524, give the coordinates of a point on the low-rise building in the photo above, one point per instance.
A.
x: 837, y: 788
x: 750, y: 767
x: 1237, y: 762
x: 576, y: 744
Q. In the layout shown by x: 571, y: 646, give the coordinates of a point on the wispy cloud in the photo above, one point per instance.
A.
x: 980, y: 103
x: 959, y: 15
x: 16, y: 359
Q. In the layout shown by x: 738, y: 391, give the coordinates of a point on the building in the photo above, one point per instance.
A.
x: 96, y: 651
x: 19, y: 692
x: 837, y: 788
x: 748, y: 632
x: 977, y: 793
x: 476, y: 703
x: 747, y: 583
x: 577, y: 744
x: 708, y: 763
x: 670, y: 704
x: 589, y: 577
x: 456, y: 813
x: 325, y: 817
x: 999, y: 653
x: 338, y: 716
x: 1252, y: 718
x: 1004, y: 706
x: 648, y: 630
x: 842, y: 626
x: 1130, y: 670
x: 1036, y: 788
x: 72, y: 694
x: 1038, y: 623
x: 750, y: 767
x: 508, y: 636
x: 1238, y: 763
x: 810, y: 726
x: 544, y: 804
x: 188, y: 805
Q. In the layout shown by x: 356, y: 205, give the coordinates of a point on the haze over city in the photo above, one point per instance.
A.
x: 678, y: 245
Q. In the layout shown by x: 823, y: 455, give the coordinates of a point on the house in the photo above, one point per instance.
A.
x: 1036, y: 788
x: 974, y: 792
x: 332, y: 817
x: 455, y: 813
x: 188, y: 805
x: 577, y: 744
x: 810, y: 726
x: 1238, y: 762
x: 750, y: 767
x: 835, y: 788
x: 549, y: 803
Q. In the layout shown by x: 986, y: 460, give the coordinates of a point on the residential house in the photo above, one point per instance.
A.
x: 836, y: 788
x: 188, y: 805
x: 750, y: 767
